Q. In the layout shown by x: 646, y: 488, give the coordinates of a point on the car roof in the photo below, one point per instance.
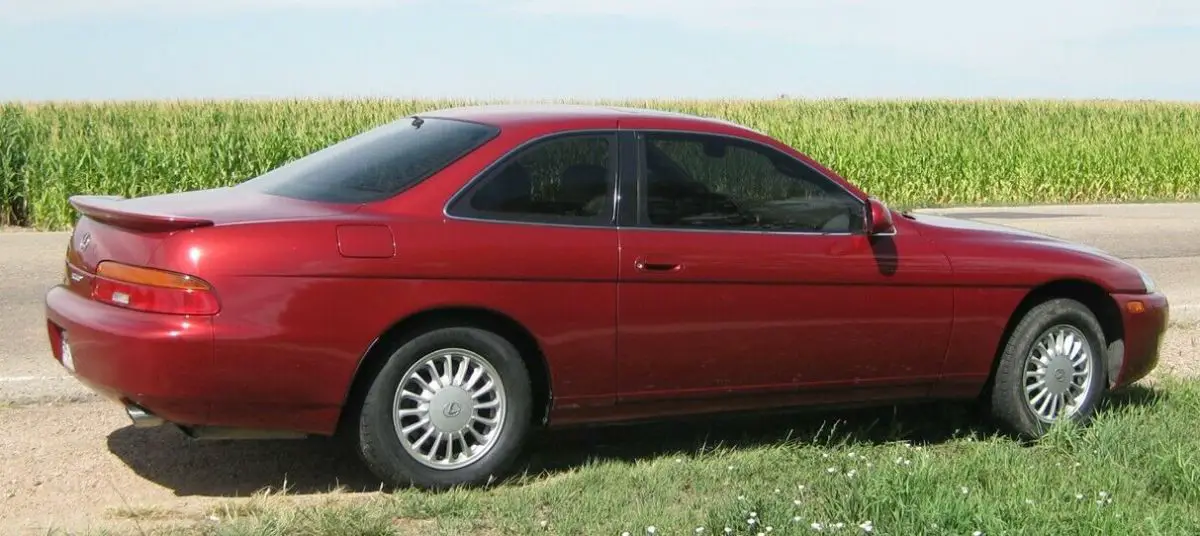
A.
x: 503, y: 115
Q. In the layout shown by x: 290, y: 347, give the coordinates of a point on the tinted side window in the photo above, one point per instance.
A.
x: 567, y: 179
x: 698, y: 181
x: 376, y: 164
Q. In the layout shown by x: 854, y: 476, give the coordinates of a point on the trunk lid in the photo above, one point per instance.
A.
x: 130, y: 230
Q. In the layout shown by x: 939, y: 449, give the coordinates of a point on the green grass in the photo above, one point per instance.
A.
x: 1136, y: 470
x: 909, y: 153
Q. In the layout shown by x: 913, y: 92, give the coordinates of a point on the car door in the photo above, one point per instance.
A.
x: 745, y: 271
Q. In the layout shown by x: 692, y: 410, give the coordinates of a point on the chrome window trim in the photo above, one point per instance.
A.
x: 617, y: 190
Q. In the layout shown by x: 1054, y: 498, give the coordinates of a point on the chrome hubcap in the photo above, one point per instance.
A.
x: 449, y: 408
x: 1058, y: 373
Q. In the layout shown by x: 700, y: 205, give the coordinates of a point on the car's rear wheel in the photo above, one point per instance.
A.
x: 1052, y: 368
x: 451, y: 407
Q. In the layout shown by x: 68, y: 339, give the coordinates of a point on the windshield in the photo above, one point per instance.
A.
x: 376, y: 164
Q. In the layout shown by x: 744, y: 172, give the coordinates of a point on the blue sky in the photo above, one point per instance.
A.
x: 571, y: 49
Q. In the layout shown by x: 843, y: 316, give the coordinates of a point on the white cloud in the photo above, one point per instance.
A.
x: 1018, y: 36
x: 40, y: 10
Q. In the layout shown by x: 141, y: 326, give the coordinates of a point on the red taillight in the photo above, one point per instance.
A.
x: 156, y: 291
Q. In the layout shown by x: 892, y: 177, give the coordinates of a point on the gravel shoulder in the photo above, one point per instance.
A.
x: 80, y: 466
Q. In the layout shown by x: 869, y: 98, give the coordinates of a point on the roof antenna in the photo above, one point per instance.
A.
x: 417, y: 122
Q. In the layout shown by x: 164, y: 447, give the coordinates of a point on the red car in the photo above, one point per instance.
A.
x: 440, y: 286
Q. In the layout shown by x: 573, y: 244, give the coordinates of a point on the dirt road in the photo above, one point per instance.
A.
x: 71, y: 461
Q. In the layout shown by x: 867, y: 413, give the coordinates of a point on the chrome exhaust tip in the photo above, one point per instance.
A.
x: 142, y: 418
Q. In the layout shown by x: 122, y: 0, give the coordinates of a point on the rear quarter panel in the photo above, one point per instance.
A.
x: 297, y: 317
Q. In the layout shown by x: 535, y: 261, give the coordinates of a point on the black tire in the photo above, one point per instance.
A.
x: 1008, y: 405
x: 380, y: 446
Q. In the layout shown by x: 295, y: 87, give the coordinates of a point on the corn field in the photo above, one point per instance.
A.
x: 908, y: 153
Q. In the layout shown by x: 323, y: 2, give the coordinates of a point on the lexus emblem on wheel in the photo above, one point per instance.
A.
x: 452, y: 409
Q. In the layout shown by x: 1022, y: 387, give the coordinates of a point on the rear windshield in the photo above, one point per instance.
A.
x: 376, y: 164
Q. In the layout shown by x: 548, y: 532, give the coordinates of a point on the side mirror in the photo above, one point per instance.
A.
x: 879, y: 218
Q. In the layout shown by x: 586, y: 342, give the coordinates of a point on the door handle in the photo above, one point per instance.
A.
x: 656, y: 266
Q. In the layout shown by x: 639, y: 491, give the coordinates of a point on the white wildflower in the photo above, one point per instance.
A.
x: 651, y: 529
x: 964, y: 490
x: 831, y: 470
x: 795, y: 519
x: 839, y: 525
x: 867, y: 526
x: 817, y: 526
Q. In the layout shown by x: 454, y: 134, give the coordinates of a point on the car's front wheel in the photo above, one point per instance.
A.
x: 451, y: 407
x: 1052, y: 368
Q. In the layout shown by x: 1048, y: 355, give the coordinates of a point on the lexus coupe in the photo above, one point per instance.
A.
x: 438, y: 287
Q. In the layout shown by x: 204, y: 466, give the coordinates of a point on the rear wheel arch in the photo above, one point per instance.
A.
x: 1093, y: 296
x: 415, y: 324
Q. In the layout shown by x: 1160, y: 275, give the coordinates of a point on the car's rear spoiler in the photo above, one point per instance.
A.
x: 107, y: 209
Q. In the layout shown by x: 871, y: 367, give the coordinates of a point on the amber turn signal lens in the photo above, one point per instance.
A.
x: 1135, y: 307
x: 148, y: 276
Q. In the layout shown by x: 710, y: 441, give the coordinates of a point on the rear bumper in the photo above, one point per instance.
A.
x: 162, y: 363
x: 1144, y: 317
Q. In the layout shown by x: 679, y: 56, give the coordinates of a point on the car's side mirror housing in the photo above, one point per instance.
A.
x: 879, y: 218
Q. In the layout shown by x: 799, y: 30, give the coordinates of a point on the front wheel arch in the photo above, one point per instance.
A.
x: 1093, y: 296
x: 1011, y: 399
